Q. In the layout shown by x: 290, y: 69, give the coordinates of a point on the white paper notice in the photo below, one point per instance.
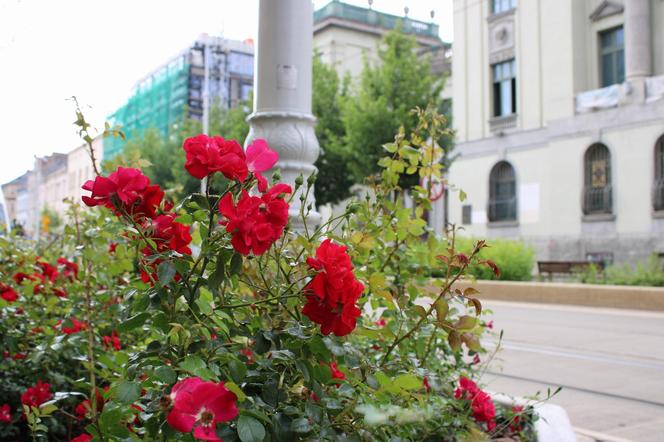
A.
x: 286, y: 76
x: 529, y: 202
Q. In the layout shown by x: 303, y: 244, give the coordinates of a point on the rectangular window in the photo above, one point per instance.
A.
x: 498, y: 6
x: 504, y: 88
x: 466, y: 214
x: 612, y: 56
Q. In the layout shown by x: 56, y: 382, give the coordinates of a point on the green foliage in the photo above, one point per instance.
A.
x: 646, y: 273
x: 514, y: 259
x: 334, y: 178
x: 399, y: 82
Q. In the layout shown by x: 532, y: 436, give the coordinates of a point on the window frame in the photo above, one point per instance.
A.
x: 612, y: 51
x: 499, y: 83
x: 658, y: 177
x: 597, y: 199
x: 497, y: 8
x: 511, y: 212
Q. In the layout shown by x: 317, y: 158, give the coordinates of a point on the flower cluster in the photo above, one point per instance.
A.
x: 76, y: 326
x: 7, y: 293
x: 37, y: 394
x: 480, y: 402
x: 127, y: 192
x: 199, y: 405
x: 255, y: 222
x: 112, y: 341
x: 333, y: 292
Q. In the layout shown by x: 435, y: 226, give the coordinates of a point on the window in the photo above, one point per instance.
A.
x: 504, y: 88
x: 612, y: 56
x: 466, y: 214
x: 597, y: 197
x: 658, y: 188
x: 498, y: 6
x: 502, y: 193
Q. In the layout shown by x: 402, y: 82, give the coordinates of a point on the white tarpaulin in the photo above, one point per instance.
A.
x: 598, y: 99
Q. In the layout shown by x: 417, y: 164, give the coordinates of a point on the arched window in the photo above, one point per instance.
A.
x: 658, y: 188
x: 597, y: 193
x: 502, y: 193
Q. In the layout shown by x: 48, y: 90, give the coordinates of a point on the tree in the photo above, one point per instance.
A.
x: 387, y: 93
x: 334, y: 177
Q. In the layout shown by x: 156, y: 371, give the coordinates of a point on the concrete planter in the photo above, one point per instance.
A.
x: 553, y: 424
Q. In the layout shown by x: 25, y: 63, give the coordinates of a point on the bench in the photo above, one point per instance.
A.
x: 565, y: 267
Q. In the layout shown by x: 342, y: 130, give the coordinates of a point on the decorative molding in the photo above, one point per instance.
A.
x: 499, y: 124
x: 606, y: 9
x: 502, y: 38
x: 598, y: 217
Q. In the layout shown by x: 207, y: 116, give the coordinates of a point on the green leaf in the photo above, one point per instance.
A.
x: 133, y: 322
x: 419, y: 310
x: 165, y: 273
x: 128, y: 392
x: 462, y: 195
x: 192, y: 364
x: 408, y: 382
x: 301, y: 425
x: 166, y: 374
x: 238, y: 370
x: 465, y: 323
x: 442, y: 308
x: 233, y: 387
x: 250, y: 429
x: 236, y: 264
x: 205, y: 302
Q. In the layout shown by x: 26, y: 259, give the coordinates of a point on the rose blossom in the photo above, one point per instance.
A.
x: 7, y: 293
x: 206, y: 155
x: 332, y: 293
x: 37, y: 394
x: 255, y: 222
x: 126, y: 183
x: 259, y: 159
x: 5, y: 413
x: 199, y: 406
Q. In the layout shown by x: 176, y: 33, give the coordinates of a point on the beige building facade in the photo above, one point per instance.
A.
x: 54, y: 180
x: 559, y: 115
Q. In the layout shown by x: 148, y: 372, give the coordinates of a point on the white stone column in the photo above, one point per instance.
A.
x: 638, y: 47
x: 282, y: 91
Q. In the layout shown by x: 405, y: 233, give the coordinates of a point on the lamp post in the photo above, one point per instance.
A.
x: 282, y: 92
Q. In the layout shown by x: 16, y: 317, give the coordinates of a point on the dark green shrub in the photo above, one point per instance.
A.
x: 646, y: 273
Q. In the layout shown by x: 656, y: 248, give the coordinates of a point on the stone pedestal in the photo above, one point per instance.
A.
x: 282, y: 91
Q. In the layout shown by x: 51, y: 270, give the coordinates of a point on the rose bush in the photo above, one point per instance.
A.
x: 218, y: 318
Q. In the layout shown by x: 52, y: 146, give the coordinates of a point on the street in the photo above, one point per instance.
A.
x: 609, y: 362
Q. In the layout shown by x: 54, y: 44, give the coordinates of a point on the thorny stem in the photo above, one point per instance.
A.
x: 443, y: 292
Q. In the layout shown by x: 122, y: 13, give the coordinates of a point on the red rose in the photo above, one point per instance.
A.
x: 59, y: 292
x: 336, y: 373
x: 199, y: 406
x: 70, y: 268
x: 480, y: 402
x: 259, y: 159
x: 5, y: 413
x: 82, y: 438
x: 37, y: 394
x: 206, y: 155
x: 76, y: 326
x: 7, y: 293
x: 332, y: 293
x: 149, y: 202
x: 20, y: 277
x: 427, y: 387
x: 111, y: 247
x: 255, y: 222
x: 49, y: 271
x: 112, y: 341
x: 172, y: 235
x: 127, y: 183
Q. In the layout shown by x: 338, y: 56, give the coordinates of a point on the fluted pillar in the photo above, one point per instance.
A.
x: 282, y: 90
x: 638, y: 47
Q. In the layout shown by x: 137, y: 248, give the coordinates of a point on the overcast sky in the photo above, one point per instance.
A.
x: 96, y: 50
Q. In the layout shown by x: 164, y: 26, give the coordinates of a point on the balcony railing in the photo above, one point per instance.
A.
x: 502, y: 209
x: 658, y: 195
x: 597, y: 200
